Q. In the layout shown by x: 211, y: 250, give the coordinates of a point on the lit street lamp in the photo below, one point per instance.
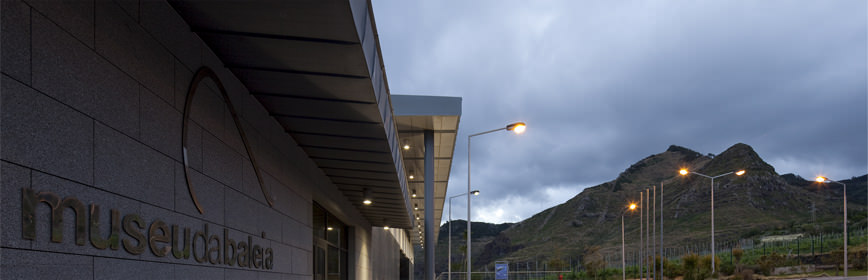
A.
x: 476, y: 192
x: 684, y: 172
x: 518, y: 128
x: 623, y: 254
x: 824, y: 180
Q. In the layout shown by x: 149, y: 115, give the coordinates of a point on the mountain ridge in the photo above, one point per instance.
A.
x: 761, y: 200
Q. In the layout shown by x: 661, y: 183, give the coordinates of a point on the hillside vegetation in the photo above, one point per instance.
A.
x: 761, y: 202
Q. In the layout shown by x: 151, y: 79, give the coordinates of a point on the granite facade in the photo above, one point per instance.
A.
x: 92, y: 102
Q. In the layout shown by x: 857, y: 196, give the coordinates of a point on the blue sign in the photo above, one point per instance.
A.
x: 501, y: 271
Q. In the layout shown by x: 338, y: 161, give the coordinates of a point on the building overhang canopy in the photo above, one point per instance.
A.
x: 414, y: 115
x: 316, y: 68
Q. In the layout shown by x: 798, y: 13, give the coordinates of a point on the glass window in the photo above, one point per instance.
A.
x: 319, y: 221
x: 330, y: 245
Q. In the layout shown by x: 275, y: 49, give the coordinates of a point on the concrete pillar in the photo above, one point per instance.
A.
x: 429, y: 205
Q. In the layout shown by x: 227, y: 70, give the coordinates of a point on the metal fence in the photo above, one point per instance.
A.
x: 513, y: 275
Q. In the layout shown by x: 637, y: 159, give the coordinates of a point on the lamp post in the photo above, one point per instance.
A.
x: 825, y: 180
x: 641, y: 237
x: 684, y: 172
x: 661, y: 230
x: 449, y: 251
x: 623, y: 253
x: 518, y: 128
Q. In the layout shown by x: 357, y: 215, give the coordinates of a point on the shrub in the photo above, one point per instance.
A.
x: 738, y: 253
x: 727, y: 269
x: 859, y: 259
x: 672, y: 269
x: 691, y: 267
x: 705, y: 267
x: 768, y: 263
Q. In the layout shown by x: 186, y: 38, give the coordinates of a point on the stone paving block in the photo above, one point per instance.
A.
x: 207, y: 108
x: 282, y: 258
x: 15, y: 41
x: 44, y: 134
x: 301, y: 261
x: 72, y: 73
x: 164, y: 23
x: 296, y: 234
x: 210, y: 194
x: 242, y: 212
x: 110, y: 268
x: 238, y: 273
x: 300, y: 208
x: 125, y: 166
x: 294, y: 277
x: 194, y: 146
x: 23, y: 264
x: 161, y: 125
x: 74, y: 17
x: 250, y: 183
x: 270, y: 223
x: 232, y: 136
x: 14, y: 178
x: 183, y: 78
x: 126, y: 44
x: 266, y: 275
x: 196, y: 272
x: 282, y: 203
x: 221, y: 162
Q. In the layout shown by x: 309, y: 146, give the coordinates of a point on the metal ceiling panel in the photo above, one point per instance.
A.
x: 307, y: 85
x: 315, y: 66
x: 302, y: 55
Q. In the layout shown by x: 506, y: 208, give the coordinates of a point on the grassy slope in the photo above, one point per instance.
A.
x: 760, y: 201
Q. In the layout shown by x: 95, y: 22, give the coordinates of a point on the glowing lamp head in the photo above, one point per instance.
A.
x: 518, y: 127
x: 412, y: 177
x: 683, y: 171
x: 740, y: 172
x: 476, y: 192
x: 386, y: 228
x: 821, y: 179
x: 330, y: 228
x: 406, y: 147
x: 632, y: 206
x: 366, y: 196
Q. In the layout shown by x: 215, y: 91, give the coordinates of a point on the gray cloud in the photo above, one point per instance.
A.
x: 602, y: 85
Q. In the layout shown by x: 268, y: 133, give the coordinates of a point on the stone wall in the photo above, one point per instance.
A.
x: 93, y: 95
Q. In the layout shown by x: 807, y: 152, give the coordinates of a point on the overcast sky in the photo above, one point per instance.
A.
x: 603, y: 84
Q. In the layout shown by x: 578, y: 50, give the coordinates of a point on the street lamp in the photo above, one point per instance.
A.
x: 449, y: 254
x: 825, y: 180
x: 623, y: 254
x: 684, y: 172
x: 518, y: 128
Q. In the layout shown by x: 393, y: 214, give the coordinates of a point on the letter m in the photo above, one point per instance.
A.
x: 30, y: 199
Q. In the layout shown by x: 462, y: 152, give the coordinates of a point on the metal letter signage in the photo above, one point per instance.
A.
x: 203, y: 73
x: 164, y: 240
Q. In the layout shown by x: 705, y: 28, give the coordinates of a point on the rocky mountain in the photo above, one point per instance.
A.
x: 758, y: 202
x: 483, y: 234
